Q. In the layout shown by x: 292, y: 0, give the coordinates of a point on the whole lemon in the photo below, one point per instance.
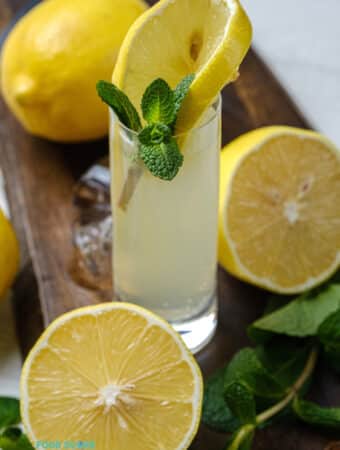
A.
x: 52, y: 60
x: 9, y: 254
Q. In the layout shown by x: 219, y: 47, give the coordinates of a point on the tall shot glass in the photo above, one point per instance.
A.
x: 165, y: 232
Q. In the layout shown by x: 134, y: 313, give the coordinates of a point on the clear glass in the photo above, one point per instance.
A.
x: 165, y: 232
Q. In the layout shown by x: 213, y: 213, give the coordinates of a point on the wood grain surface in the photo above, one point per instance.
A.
x: 40, y: 177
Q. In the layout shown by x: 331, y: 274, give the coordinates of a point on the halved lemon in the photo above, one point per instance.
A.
x: 179, y: 37
x: 9, y: 254
x: 279, y: 219
x: 115, y: 376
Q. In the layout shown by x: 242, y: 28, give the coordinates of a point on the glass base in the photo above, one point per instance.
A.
x: 196, y: 331
x: 199, y: 330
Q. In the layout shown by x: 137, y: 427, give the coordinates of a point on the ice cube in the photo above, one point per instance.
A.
x: 92, y: 231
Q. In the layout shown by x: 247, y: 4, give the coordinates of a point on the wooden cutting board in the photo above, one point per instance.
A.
x: 40, y: 177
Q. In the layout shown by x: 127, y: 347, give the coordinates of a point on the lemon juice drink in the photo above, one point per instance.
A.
x: 165, y: 233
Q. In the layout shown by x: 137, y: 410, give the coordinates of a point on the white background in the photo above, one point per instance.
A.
x: 300, y: 39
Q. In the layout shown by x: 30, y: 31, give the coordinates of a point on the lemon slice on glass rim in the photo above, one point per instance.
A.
x: 174, y: 38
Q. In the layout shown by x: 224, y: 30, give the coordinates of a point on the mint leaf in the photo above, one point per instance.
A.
x: 163, y: 160
x: 216, y: 413
x: 284, y: 358
x: 302, y: 316
x: 247, y: 368
x: 154, y: 134
x: 241, y: 401
x: 329, y: 335
x: 182, y: 90
x: 158, y: 103
x: 316, y: 415
x: 259, y: 336
x: 274, y: 303
x: 120, y: 103
x: 12, y: 433
x: 329, y: 330
x: 9, y: 412
x: 14, y: 439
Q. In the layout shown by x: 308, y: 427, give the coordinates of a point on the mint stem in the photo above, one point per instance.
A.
x: 134, y: 174
x: 241, y: 435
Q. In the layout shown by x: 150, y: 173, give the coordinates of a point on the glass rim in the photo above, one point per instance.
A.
x: 216, y: 104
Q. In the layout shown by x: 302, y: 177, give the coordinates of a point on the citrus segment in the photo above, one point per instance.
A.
x: 115, y: 375
x: 280, y: 209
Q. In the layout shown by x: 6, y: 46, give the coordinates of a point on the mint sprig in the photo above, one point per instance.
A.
x: 158, y: 148
x: 274, y: 377
x: 11, y: 435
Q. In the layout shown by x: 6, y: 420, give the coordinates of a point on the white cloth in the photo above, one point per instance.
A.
x: 301, y: 42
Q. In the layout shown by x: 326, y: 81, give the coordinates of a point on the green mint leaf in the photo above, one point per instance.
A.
x: 329, y: 330
x: 14, y: 439
x: 182, y: 90
x: 274, y: 303
x: 154, y: 134
x: 259, y: 336
x: 163, y: 160
x: 216, y: 413
x: 9, y: 412
x: 120, y: 103
x: 316, y: 415
x: 247, y: 368
x: 12, y: 433
x: 329, y: 335
x: 284, y: 358
x: 158, y: 103
x: 241, y: 401
x: 302, y: 316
